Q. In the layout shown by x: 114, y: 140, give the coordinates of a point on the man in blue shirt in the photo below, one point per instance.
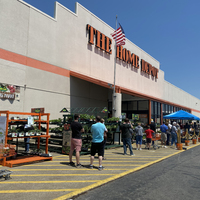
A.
x: 97, y: 130
x: 163, y: 129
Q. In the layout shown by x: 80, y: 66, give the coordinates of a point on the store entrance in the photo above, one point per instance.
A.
x: 136, y: 109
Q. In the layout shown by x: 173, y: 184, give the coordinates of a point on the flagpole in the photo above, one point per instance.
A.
x: 114, y: 109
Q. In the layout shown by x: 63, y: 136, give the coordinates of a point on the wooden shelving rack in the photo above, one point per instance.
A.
x: 25, y: 159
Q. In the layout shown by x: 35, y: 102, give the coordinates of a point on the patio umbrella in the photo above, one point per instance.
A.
x: 181, y: 114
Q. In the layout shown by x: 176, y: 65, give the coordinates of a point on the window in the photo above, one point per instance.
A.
x: 143, y: 105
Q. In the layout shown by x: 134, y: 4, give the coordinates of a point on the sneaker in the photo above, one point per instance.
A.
x: 72, y: 163
x: 78, y: 165
x: 165, y: 147
x: 132, y: 154
x: 136, y: 148
x: 100, y: 168
x: 91, y: 166
x: 140, y: 148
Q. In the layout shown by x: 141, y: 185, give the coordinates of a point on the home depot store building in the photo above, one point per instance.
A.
x: 68, y: 61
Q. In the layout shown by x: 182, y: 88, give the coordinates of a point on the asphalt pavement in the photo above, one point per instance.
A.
x: 58, y: 180
x: 177, y: 177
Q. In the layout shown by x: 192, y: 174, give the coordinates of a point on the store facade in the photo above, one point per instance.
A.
x: 68, y: 61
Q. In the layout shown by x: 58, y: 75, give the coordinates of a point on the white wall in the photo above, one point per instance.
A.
x: 86, y: 94
x: 63, y: 41
x: 178, y: 96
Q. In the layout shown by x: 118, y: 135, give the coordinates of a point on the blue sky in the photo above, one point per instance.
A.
x: 168, y: 30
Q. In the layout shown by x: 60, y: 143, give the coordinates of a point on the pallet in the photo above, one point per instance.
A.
x: 24, y: 159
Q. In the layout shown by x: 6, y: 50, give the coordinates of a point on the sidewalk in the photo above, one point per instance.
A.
x: 57, y: 180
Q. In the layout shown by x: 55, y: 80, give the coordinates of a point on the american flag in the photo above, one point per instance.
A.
x: 119, y: 36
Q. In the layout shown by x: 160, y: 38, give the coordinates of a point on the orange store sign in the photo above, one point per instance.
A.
x: 104, y: 43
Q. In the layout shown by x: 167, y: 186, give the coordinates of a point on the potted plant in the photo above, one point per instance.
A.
x: 92, y: 118
x: 187, y: 138
x: 21, y: 134
x: 37, y: 131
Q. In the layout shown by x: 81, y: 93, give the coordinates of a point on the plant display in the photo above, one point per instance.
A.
x: 92, y: 117
x: 85, y: 116
x: 86, y: 128
x: 56, y: 130
x: 55, y: 121
x: 113, y: 119
x: 37, y: 151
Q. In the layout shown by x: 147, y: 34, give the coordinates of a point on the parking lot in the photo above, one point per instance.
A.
x: 58, y: 180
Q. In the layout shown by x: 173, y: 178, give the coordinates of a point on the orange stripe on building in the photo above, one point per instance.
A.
x: 125, y: 90
x: 195, y: 110
x: 13, y: 57
x: 20, y: 59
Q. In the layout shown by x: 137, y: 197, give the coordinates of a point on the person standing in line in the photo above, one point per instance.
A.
x: 105, y: 138
x: 149, y: 136
x: 163, y: 129
x: 153, y: 127
x: 139, y: 134
x: 168, y: 132
x: 174, y: 134
x: 126, y: 136
x: 76, y: 141
x: 98, y: 131
x: 195, y: 127
x: 187, y: 126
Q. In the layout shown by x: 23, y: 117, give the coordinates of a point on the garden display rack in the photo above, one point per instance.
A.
x: 30, y: 158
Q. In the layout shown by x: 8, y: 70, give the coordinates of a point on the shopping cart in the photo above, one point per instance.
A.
x: 5, y: 174
x: 156, y: 138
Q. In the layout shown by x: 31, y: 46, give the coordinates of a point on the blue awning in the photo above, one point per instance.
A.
x: 181, y: 114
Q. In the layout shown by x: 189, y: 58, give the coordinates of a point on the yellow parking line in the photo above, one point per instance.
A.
x: 13, y: 182
x: 61, y: 156
x: 75, y: 169
x: 117, y: 158
x: 105, y: 161
x: 26, y: 191
x: 75, y: 193
x: 192, y: 146
x: 63, y: 174
x: 21, y: 170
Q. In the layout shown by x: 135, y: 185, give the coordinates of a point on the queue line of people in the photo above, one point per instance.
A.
x: 99, y: 136
x: 99, y: 133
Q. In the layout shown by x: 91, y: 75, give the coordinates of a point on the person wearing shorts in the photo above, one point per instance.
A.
x: 76, y: 141
x: 98, y: 131
x: 163, y: 129
x: 139, y: 134
x: 149, y: 136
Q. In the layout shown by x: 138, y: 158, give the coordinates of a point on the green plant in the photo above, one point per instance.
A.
x: 113, y: 119
x: 12, y: 130
x: 36, y: 129
x: 55, y: 121
x: 108, y: 127
x: 86, y: 128
x: 105, y: 118
x: 92, y: 117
